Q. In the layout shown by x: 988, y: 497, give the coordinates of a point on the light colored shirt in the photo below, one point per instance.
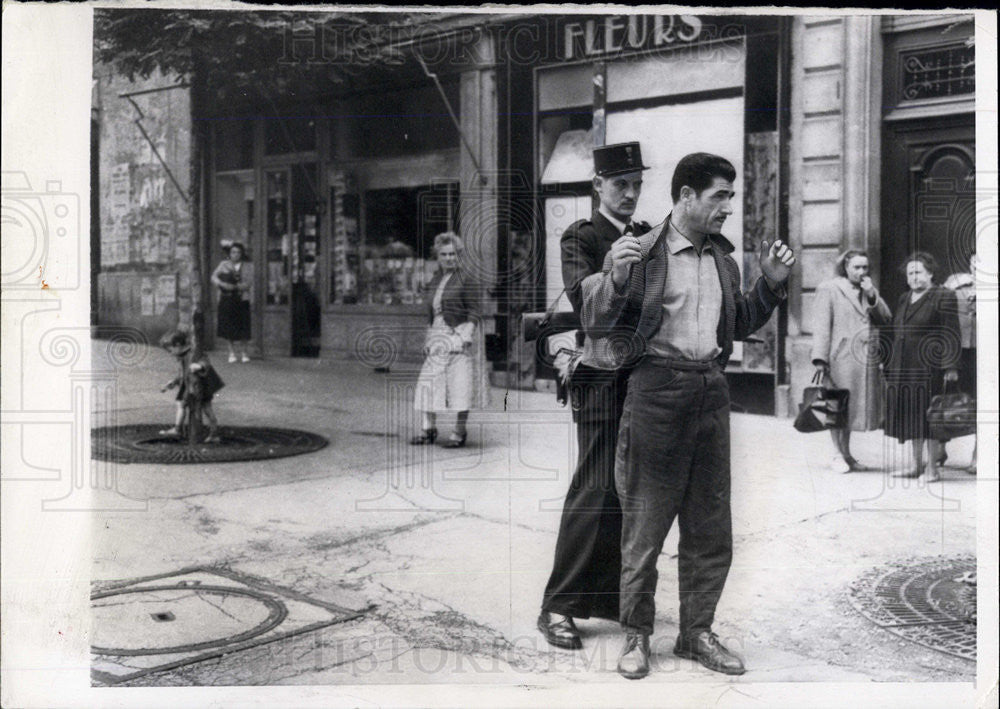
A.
x: 692, y: 302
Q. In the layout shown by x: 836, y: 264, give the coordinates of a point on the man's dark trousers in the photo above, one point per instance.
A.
x: 673, y: 460
x: 586, y: 573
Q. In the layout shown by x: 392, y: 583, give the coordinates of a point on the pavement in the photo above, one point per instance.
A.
x: 447, y: 551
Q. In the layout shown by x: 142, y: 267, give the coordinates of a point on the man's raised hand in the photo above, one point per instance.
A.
x: 624, y: 252
x: 776, y: 261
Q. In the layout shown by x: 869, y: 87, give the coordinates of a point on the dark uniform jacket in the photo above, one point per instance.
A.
x: 583, y: 246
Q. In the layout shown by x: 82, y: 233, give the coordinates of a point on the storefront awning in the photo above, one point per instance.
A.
x: 572, y: 158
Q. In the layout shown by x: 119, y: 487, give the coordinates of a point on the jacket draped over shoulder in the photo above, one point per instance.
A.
x: 620, y: 322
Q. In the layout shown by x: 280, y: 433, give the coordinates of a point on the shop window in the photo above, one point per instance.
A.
x: 761, y: 85
x: 234, y: 144
x: 289, y: 134
x: 560, y: 127
x: 398, y: 123
x: 395, y: 258
x: 234, y: 208
x: 277, y: 243
x: 292, y: 235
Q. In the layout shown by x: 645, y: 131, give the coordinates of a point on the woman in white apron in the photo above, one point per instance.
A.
x: 453, y: 376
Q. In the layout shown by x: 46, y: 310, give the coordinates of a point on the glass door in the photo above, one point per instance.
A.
x: 292, y: 252
x: 305, y: 243
x: 278, y: 236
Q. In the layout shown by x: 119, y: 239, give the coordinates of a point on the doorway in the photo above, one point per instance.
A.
x: 292, y: 244
x: 928, y: 197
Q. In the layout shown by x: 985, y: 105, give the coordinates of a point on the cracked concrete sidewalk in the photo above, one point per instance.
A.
x: 452, y: 548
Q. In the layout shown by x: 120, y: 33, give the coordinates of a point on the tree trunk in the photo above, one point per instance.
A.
x: 198, y: 150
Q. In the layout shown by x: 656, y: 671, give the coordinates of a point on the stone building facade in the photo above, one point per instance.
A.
x: 848, y: 131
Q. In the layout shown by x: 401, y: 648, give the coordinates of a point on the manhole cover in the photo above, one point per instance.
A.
x: 130, y: 622
x: 164, y: 622
x: 142, y: 443
x: 928, y: 601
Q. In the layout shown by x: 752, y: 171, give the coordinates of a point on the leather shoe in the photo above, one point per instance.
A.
x: 633, y: 662
x: 706, y: 649
x: 426, y: 437
x: 559, y: 630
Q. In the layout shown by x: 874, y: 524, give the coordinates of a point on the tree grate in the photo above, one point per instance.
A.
x: 142, y: 443
x: 927, y: 601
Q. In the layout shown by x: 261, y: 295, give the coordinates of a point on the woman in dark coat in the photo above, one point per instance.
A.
x: 234, y: 279
x: 453, y: 376
x: 926, y: 347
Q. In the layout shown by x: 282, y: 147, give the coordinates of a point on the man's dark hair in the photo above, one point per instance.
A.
x: 698, y: 171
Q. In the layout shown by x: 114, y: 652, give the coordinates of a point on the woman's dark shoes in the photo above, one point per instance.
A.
x: 454, y: 441
x: 704, y: 647
x: 907, y: 474
x: 559, y: 630
x: 855, y: 467
x: 426, y: 438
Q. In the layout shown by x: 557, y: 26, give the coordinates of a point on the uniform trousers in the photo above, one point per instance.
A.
x: 673, y: 461
x: 587, y: 567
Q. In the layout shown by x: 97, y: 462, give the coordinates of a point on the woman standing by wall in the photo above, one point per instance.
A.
x: 453, y: 376
x: 841, y: 351
x: 926, y: 347
x: 234, y: 279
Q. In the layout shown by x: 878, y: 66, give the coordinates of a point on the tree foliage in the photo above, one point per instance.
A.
x: 237, y: 54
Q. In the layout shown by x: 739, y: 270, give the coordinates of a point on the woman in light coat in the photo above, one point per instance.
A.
x: 453, y: 376
x: 842, y: 350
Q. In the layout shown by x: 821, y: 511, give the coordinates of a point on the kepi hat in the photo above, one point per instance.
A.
x: 618, y: 159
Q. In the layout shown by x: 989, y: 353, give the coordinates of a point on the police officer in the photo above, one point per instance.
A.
x: 587, y: 569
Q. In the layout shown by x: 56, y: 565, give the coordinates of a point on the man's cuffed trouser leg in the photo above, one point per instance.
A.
x: 705, y: 551
x: 670, y: 418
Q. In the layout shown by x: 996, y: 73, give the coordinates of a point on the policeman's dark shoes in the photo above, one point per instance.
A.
x: 633, y: 662
x: 704, y: 647
x: 559, y: 630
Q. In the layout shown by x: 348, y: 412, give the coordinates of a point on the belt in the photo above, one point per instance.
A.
x: 691, y: 365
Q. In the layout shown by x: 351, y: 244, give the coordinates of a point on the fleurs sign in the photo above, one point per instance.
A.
x: 627, y: 33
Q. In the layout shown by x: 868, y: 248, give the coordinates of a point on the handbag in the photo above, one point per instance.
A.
x: 822, y: 407
x: 951, y: 415
x: 535, y: 326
